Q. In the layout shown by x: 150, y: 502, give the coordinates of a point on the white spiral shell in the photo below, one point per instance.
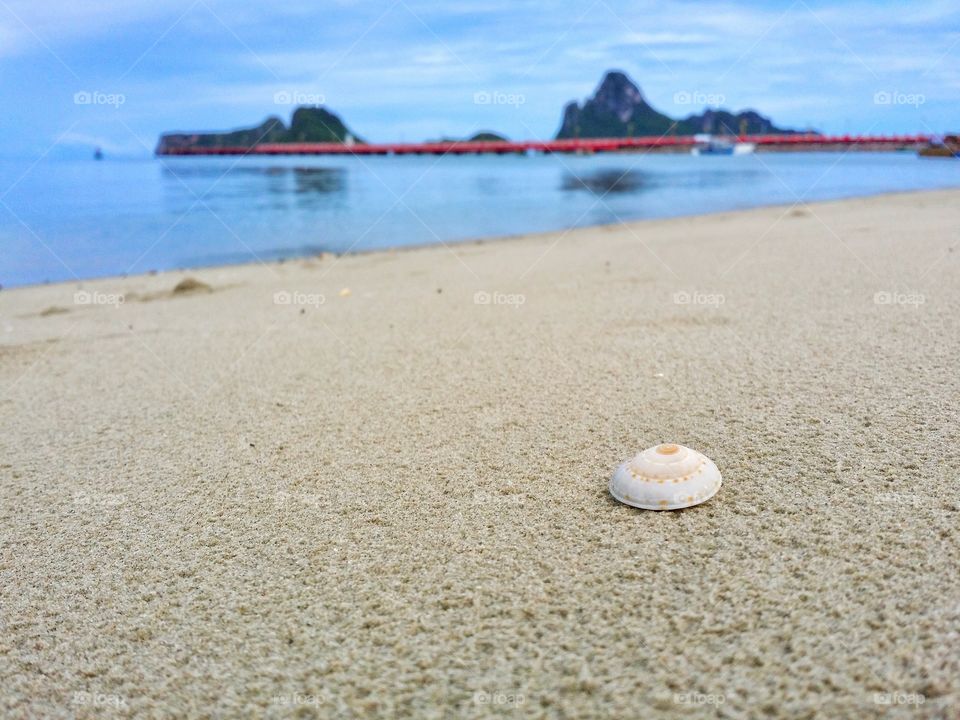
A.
x: 666, y: 477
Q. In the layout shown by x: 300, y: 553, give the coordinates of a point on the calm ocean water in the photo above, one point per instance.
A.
x: 63, y: 220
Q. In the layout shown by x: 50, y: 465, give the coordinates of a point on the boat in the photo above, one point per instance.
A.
x: 720, y: 145
x: 98, y: 154
x: 946, y: 146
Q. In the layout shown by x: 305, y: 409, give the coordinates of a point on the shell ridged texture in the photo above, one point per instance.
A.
x: 666, y: 477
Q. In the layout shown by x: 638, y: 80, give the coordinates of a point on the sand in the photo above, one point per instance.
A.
x: 383, y: 492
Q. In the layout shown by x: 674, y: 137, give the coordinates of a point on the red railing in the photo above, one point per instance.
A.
x: 544, y: 146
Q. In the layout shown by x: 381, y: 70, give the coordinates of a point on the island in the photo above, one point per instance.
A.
x: 618, y: 109
x: 307, y: 125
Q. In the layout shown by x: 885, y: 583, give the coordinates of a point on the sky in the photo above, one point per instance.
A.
x: 117, y: 73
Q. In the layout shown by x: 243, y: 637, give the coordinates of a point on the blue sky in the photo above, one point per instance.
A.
x: 412, y: 70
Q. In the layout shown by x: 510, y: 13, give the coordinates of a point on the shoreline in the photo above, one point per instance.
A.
x: 469, y: 242
x: 378, y: 484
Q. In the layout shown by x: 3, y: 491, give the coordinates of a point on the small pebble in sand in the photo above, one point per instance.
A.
x: 191, y: 285
x: 666, y: 477
x: 345, y: 292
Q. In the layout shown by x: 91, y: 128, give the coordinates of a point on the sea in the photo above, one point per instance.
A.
x: 69, y: 220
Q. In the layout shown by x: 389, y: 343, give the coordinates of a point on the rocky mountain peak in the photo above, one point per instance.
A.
x: 618, y: 95
x: 618, y: 109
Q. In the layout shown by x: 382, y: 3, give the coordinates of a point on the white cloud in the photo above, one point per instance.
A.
x: 428, y: 60
x: 664, y: 38
x: 52, y: 20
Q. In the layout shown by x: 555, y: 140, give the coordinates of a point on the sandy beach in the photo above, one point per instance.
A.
x: 376, y: 485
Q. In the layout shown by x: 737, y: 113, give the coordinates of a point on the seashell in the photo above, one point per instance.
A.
x: 666, y: 477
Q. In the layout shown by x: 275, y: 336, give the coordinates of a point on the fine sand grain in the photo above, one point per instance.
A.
x: 279, y: 498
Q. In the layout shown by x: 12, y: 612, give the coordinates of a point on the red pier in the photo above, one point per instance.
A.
x: 584, y: 146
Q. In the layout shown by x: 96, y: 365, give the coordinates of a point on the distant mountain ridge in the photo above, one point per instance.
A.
x: 308, y: 124
x: 482, y: 136
x: 618, y: 109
